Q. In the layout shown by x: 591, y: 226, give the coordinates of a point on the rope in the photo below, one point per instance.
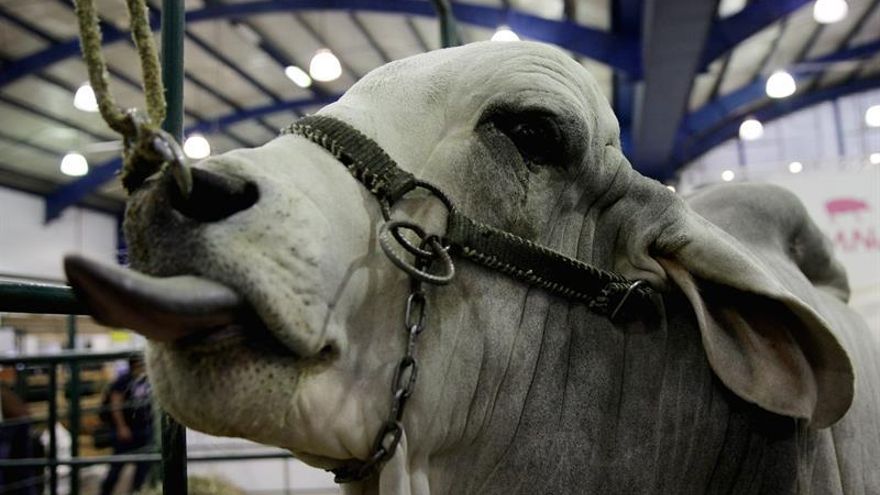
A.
x: 142, y: 36
x: 90, y: 42
x: 148, y: 149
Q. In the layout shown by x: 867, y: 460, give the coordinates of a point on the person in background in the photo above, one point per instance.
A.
x: 132, y: 421
x: 17, y: 442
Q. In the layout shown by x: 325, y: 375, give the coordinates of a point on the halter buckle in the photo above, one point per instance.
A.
x: 625, y: 297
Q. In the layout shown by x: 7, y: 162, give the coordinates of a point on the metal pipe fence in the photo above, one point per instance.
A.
x: 21, y: 297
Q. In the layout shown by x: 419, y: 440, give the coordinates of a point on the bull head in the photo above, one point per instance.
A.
x: 273, y: 314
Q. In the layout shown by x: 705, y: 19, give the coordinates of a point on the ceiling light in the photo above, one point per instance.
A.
x: 504, y: 33
x: 325, y: 66
x: 872, y: 116
x: 727, y: 8
x: 84, y: 99
x: 671, y: 188
x: 874, y: 158
x: 196, y: 147
x: 750, y: 130
x: 298, y: 76
x: 829, y: 11
x: 727, y: 175
x: 74, y: 164
x: 795, y: 167
x: 780, y: 84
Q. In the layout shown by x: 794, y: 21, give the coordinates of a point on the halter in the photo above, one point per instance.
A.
x: 604, y: 293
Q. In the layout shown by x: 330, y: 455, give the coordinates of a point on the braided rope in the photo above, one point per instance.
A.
x: 147, y: 147
x: 90, y: 43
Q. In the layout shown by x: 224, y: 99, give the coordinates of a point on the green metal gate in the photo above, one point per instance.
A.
x: 50, y: 299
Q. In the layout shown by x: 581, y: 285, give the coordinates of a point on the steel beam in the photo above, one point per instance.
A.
x: 369, y: 37
x: 74, y: 191
x: 618, y: 52
x: 62, y: 121
x: 48, y: 37
x: 734, y: 104
x: 730, y: 32
x: 411, y: 25
x: 673, y: 35
x: 769, y: 112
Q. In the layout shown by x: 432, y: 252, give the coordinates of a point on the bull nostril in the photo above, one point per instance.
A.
x: 214, y: 196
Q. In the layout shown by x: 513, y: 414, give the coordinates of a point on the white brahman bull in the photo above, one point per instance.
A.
x: 750, y: 376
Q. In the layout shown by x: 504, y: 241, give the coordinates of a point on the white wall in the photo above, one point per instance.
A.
x: 29, y: 248
x: 854, y: 231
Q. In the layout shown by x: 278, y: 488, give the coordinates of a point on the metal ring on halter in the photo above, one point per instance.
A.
x: 386, y: 206
x: 626, y: 295
x: 438, y: 253
x: 406, y: 244
x: 431, y: 188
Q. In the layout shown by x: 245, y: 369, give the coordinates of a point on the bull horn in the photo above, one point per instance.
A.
x: 161, y: 309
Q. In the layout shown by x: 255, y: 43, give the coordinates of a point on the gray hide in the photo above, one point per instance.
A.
x: 728, y: 386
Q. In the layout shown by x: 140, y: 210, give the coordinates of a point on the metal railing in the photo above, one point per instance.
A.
x: 37, y: 298
x: 20, y: 297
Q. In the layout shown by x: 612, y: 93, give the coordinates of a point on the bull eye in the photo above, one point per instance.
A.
x: 537, y: 137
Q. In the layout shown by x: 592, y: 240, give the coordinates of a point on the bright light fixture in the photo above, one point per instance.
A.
x: 727, y: 175
x: 727, y: 8
x: 795, y: 167
x: 298, y: 76
x: 74, y: 164
x: 325, y: 66
x: 750, y: 130
x: 780, y: 84
x: 671, y: 188
x: 872, y: 116
x: 874, y: 158
x: 196, y: 147
x: 84, y: 99
x: 829, y: 11
x: 504, y: 33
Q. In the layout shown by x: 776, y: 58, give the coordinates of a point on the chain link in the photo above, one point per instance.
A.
x: 404, y: 381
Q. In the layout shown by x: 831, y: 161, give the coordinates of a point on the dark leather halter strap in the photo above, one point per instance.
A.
x: 602, y: 291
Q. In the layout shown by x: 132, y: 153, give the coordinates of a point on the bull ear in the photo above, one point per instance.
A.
x: 765, y: 344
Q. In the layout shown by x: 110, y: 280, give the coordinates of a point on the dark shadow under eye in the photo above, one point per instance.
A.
x: 537, y: 136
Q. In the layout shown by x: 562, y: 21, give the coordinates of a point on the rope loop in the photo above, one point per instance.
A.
x: 148, y: 149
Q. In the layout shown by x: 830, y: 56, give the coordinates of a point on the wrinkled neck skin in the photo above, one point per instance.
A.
x: 520, y: 391
x: 523, y: 392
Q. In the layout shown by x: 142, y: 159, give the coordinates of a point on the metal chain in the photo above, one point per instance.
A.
x: 405, y: 374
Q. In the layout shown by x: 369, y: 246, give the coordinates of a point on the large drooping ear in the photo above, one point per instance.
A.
x: 764, y: 343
